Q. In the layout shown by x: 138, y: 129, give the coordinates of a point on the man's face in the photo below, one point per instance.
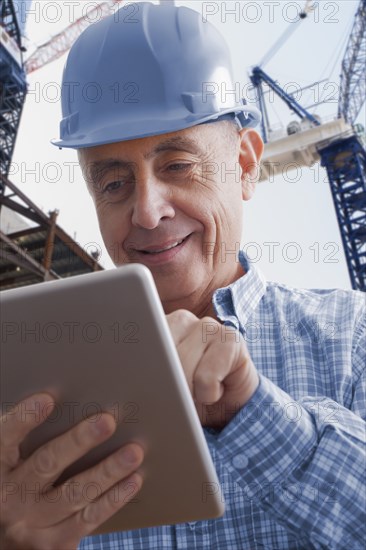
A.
x: 172, y: 202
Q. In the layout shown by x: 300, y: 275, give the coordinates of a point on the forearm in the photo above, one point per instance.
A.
x: 302, y: 462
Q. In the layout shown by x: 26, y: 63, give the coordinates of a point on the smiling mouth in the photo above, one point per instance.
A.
x: 160, y: 250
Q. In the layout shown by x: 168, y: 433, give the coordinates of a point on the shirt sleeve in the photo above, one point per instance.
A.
x: 303, y: 462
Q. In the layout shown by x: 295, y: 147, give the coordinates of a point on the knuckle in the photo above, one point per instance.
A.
x: 44, y: 461
x: 184, y: 316
x: 211, y: 320
x: 91, y: 514
x: 109, y: 470
x: 204, y: 380
x: 73, y: 493
x: 10, y: 455
x: 78, y: 435
x: 210, y: 329
x: 124, y: 492
x: 112, y: 498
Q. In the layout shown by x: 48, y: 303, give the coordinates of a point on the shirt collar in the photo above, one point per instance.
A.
x: 235, y: 303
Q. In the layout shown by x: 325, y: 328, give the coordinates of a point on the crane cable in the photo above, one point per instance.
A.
x: 337, y: 53
x: 309, y: 7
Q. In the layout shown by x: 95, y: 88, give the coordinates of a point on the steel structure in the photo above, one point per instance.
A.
x: 353, y: 81
x: 341, y: 152
x: 345, y: 159
x: 258, y: 78
x: 345, y: 162
x: 42, y: 251
x: 13, y: 87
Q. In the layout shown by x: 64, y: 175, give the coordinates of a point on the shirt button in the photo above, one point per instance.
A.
x: 192, y: 524
x: 240, y: 461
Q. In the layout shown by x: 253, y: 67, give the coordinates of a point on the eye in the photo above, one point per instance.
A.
x: 113, y: 186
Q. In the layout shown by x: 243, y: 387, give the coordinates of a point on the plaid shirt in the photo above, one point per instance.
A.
x: 292, y: 461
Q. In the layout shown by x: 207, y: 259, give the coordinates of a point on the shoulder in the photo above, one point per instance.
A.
x: 334, y: 302
x: 337, y: 312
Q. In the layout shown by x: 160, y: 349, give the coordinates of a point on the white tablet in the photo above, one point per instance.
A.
x: 100, y: 342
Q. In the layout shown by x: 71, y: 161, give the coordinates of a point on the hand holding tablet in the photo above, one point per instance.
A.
x: 33, y: 511
x: 101, y: 342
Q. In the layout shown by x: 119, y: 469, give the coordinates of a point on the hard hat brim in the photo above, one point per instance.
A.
x: 246, y: 116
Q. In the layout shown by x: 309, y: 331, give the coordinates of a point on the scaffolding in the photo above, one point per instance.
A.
x: 40, y: 252
x: 13, y: 86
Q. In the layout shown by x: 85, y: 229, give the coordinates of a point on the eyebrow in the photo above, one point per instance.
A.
x: 97, y: 169
x: 175, y: 144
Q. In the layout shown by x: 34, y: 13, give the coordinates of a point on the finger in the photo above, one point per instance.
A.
x: 76, y: 493
x: 214, y: 366
x: 68, y: 533
x: 21, y: 419
x: 180, y: 323
x: 47, y: 463
x: 190, y: 351
x: 230, y: 388
x: 243, y: 379
x: 199, y: 337
x: 95, y: 513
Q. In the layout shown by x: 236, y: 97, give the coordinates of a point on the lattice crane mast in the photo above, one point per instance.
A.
x: 345, y: 158
x: 13, y: 86
x: 353, y: 81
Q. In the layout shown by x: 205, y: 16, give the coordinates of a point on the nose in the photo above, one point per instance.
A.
x: 151, y: 204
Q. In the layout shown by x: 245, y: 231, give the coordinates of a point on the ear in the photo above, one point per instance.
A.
x: 251, y: 150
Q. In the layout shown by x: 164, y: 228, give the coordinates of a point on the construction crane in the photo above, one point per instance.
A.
x: 62, y: 42
x: 335, y: 143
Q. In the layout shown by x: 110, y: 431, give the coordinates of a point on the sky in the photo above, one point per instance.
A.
x: 290, y: 227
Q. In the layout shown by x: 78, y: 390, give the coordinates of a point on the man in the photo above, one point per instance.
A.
x: 276, y: 373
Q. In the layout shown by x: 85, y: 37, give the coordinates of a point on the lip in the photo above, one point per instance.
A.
x: 161, y: 257
x: 160, y: 246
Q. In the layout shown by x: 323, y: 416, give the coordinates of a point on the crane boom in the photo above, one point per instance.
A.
x: 308, y: 8
x: 62, y: 42
x: 353, y: 84
x: 258, y: 77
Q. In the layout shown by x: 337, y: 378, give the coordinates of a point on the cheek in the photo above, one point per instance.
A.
x: 112, y: 225
x: 201, y: 208
x: 217, y: 202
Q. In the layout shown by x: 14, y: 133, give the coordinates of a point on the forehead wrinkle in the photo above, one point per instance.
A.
x: 176, y: 143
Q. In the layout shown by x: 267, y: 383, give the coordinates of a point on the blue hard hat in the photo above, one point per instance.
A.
x: 158, y: 70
